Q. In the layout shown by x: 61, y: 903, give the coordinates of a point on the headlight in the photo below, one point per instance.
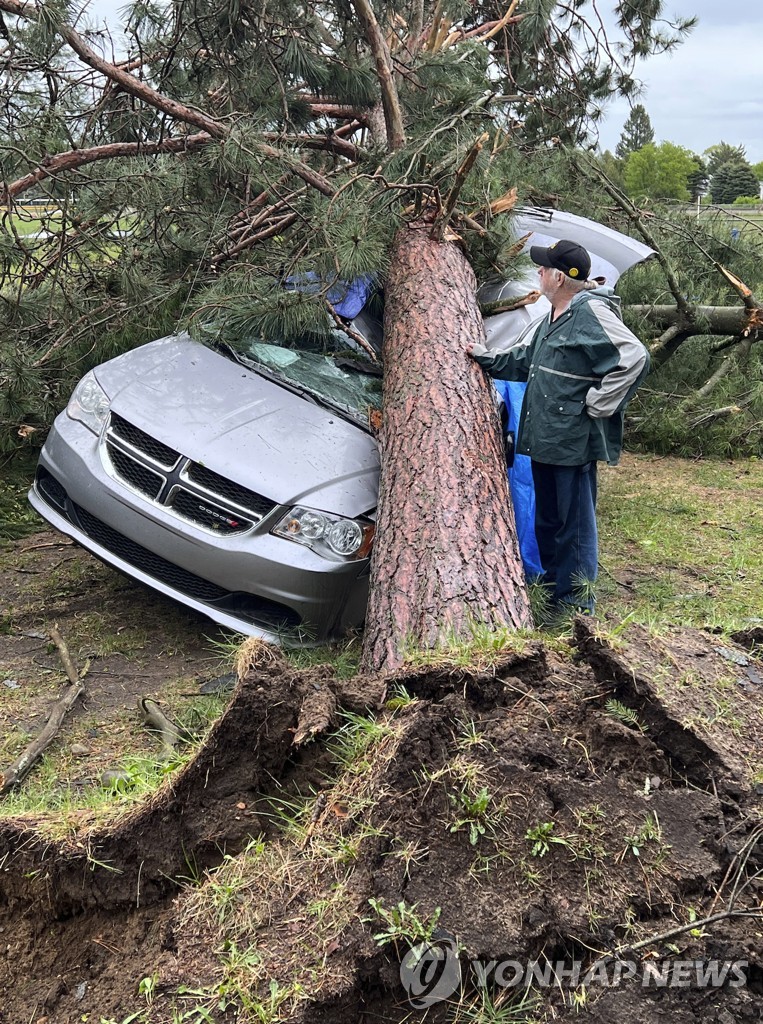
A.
x: 326, y: 535
x: 89, y: 404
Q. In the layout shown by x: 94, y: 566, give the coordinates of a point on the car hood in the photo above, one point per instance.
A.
x: 244, y: 426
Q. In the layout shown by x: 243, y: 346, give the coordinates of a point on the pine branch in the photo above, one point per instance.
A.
x: 330, y: 142
x: 179, y: 111
x: 76, y: 158
x: 636, y: 218
x: 276, y: 228
x: 340, y: 111
x: 358, y: 338
x: 131, y: 85
x: 736, y: 357
x: 487, y: 31
x: 715, y: 414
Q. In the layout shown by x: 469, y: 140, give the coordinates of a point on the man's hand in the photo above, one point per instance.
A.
x: 469, y: 349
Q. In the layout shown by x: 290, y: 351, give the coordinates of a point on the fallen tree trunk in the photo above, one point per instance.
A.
x: 446, y: 553
x: 705, y: 319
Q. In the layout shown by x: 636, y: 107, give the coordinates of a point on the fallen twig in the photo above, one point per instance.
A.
x: 21, y: 767
x: 48, y: 544
x: 169, y: 733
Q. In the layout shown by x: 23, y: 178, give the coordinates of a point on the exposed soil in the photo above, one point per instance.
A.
x: 132, y: 642
x: 85, y: 919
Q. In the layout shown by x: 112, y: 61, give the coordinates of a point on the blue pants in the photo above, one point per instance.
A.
x: 565, y: 528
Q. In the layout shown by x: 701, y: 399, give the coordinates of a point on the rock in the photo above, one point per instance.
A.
x: 117, y: 780
x: 79, y: 750
x: 219, y: 684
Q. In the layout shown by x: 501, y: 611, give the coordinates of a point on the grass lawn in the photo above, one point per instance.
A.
x: 682, y: 541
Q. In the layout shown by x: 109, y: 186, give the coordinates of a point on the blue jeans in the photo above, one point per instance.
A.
x: 565, y: 528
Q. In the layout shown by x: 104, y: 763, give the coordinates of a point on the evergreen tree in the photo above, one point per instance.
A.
x: 637, y: 132
x: 732, y: 180
x: 698, y: 180
x: 724, y: 153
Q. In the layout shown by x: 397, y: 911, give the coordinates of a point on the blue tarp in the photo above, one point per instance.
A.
x: 347, y: 297
x: 521, y: 481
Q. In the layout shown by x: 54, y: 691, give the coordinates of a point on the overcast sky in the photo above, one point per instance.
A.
x: 711, y: 88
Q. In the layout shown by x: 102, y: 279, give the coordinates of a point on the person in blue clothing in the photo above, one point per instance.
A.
x: 581, y: 365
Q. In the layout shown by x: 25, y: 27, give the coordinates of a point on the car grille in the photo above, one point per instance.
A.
x: 190, y: 506
x: 260, y: 611
x: 135, y: 473
x: 143, y: 442
x: 51, y: 490
x: 150, y: 563
x: 185, y: 488
x: 234, y: 492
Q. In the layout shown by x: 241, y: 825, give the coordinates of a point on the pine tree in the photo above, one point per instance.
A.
x: 724, y: 153
x: 242, y: 143
x: 732, y: 180
x: 637, y: 132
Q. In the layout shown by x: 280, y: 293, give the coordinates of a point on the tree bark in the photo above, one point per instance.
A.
x: 446, y: 553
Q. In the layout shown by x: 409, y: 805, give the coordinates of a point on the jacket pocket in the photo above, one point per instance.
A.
x: 566, y: 406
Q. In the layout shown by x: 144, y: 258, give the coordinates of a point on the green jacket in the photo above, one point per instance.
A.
x: 581, y: 370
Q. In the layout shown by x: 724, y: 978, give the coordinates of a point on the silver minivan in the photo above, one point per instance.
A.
x: 242, y: 480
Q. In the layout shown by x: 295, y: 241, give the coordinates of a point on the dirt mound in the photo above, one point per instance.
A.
x: 549, y: 809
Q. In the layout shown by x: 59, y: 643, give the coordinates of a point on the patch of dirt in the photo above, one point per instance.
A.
x: 516, y: 809
x: 131, y: 642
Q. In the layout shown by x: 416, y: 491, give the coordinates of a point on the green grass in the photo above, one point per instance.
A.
x: 48, y: 791
x: 682, y: 541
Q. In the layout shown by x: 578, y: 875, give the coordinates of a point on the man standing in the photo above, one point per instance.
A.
x: 582, y: 365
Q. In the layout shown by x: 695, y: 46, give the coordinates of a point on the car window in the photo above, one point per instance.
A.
x: 331, y: 367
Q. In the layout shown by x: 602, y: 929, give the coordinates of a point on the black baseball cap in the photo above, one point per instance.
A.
x: 569, y: 257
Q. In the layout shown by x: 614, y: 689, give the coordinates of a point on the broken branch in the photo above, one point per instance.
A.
x: 393, y: 115
x: 73, y: 159
x: 21, y: 767
x: 461, y: 175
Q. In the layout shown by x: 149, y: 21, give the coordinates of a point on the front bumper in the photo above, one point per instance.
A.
x: 251, y: 582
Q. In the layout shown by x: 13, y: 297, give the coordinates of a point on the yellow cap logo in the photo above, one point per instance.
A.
x: 573, y: 271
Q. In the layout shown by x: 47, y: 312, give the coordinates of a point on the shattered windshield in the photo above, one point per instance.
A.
x: 330, y: 367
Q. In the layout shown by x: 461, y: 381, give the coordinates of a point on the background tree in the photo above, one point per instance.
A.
x: 733, y: 179
x: 613, y: 167
x: 637, y: 132
x: 659, y: 172
x: 723, y: 153
x: 698, y: 180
